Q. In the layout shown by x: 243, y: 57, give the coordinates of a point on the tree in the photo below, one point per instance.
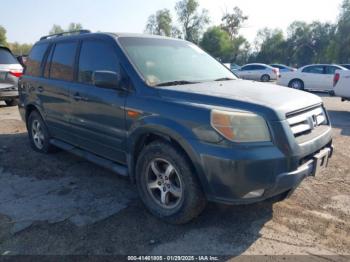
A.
x: 57, y: 29
x: 217, y: 42
x: 191, y: 19
x: 3, y: 41
x: 232, y: 22
x: 160, y: 23
x: 342, y: 39
x: 74, y: 27
x: 20, y: 49
x: 270, y: 45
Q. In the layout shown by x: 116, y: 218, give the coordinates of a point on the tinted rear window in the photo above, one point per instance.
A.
x: 6, y: 57
x: 63, y: 61
x: 33, y: 66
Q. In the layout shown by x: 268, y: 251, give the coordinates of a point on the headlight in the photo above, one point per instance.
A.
x: 240, y: 126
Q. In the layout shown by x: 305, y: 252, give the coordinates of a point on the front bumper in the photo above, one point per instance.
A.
x: 231, y: 174
x: 8, y: 94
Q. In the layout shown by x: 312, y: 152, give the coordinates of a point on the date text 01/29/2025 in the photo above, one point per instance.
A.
x: 173, y: 258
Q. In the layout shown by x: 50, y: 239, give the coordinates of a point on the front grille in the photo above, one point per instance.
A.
x: 307, y: 121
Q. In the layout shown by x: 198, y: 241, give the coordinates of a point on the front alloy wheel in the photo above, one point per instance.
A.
x: 164, y: 183
x: 167, y: 183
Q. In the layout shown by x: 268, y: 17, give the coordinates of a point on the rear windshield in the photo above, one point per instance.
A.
x: 6, y: 57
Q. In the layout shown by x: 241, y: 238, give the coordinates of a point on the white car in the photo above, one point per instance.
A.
x: 311, y: 77
x: 258, y: 72
x: 342, y: 84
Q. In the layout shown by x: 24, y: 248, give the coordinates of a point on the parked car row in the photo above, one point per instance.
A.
x: 10, y: 71
x: 317, y: 77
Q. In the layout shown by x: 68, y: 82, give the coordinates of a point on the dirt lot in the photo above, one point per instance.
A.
x: 61, y: 204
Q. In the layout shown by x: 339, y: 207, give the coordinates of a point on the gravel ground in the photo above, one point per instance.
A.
x: 61, y: 204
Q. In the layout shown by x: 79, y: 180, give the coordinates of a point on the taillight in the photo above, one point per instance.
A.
x: 336, y: 79
x: 275, y: 71
x: 16, y: 73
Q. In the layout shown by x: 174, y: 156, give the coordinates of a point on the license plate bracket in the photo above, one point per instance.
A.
x: 321, y: 161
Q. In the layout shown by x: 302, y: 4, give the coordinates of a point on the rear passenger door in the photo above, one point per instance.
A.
x: 54, y: 89
x: 98, y: 116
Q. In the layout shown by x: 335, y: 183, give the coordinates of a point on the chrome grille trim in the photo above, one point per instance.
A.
x: 307, y: 121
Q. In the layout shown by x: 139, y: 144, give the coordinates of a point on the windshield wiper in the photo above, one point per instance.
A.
x: 224, y: 79
x: 176, y: 83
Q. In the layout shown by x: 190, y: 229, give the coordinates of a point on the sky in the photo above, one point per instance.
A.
x: 27, y: 20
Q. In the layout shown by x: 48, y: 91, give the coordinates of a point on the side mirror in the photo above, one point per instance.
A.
x: 106, y: 79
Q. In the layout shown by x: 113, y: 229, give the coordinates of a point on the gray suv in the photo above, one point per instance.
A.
x: 10, y: 71
x: 174, y: 120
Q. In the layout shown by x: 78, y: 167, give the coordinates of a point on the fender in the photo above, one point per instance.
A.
x: 169, y: 130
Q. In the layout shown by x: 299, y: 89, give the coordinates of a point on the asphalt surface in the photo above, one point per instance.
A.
x: 62, y: 204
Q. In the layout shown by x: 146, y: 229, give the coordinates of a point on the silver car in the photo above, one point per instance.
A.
x: 258, y: 72
x: 10, y: 71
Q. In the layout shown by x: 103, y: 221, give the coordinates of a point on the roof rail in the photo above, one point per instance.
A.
x: 78, y: 32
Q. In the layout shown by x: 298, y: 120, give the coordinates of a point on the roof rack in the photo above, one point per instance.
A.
x: 78, y: 32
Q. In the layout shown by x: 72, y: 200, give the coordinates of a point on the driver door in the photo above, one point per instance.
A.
x: 98, y: 115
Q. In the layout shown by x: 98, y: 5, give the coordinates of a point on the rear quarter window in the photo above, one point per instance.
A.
x: 33, y: 66
x: 6, y: 57
x: 62, y: 63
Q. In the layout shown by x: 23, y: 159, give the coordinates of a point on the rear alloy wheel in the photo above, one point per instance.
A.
x: 167, y: 183
x: 296, y: 84
x: 38, y: 134
x: 11, y: 102
x: 265, y: 78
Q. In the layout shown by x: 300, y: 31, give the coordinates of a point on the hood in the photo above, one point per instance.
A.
x: 281, y: 100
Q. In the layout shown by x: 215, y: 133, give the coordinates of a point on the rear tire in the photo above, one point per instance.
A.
x: 38, y: 134
x: 265, y: 78
x: 167, y: 184
x: 296, y: 84
x: 11, y: 102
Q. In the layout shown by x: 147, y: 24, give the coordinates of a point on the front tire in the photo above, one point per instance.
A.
x: 167, y: 184
x: 38, y: 134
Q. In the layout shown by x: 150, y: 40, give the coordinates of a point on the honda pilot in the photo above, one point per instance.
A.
x: 174, y: 120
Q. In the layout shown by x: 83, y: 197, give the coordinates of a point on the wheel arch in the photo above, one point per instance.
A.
x: 296, y: 79
x: 146, y: 135
x: 29, y: 109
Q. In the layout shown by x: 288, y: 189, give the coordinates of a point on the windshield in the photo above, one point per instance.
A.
x: 6, y: 57
x: 168, y: 60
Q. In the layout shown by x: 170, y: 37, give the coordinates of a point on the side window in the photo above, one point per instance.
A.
x: 96, y: 55
x: 33, y: 66
x: 62, y: 63
x: 313, y: 70
x: 259, y: 67
x: 330, y: 70
x: 246, y: 68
